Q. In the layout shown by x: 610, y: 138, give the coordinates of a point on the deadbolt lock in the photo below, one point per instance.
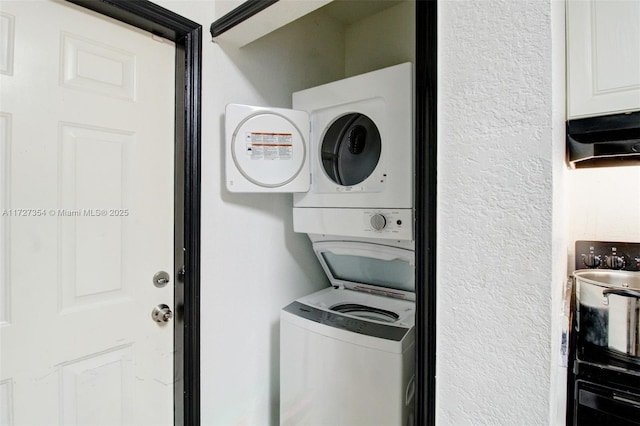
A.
x: 161, y: 279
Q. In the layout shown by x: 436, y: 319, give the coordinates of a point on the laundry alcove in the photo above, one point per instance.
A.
x: 359, y: 36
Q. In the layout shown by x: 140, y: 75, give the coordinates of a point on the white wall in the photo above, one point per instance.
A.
x: 495, y: 193
x: 242, y: 361
x: 253, y: 264
x: 605, y: 204
x: 393, y: 44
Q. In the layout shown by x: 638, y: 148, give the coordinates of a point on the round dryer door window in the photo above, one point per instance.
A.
x: 350, y: 149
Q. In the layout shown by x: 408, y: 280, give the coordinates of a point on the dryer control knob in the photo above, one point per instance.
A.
x: 378, y: 222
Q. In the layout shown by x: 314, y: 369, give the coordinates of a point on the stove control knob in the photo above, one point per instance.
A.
x: 378, y: 222
x: 591, y: 260
x: 614, y: 262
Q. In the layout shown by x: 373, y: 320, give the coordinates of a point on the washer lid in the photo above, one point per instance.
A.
x: 266, y: 149
x: 374, y: 268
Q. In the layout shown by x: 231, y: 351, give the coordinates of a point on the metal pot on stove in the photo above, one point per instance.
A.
x: 608, y: 310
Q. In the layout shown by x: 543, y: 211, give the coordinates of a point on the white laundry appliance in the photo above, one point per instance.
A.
x: 347, y: 352
x: 345, y: 151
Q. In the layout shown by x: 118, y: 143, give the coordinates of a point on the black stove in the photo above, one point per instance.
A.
x: 607, y: 255
x: 603, y: 384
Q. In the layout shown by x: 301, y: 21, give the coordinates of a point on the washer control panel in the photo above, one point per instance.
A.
x: 607, y: 255
x: 392, y: 224
x: 385, y: 221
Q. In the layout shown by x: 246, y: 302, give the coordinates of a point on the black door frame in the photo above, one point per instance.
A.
x: 426, y: 161
x: 426, y: 73
x: 187, y: 36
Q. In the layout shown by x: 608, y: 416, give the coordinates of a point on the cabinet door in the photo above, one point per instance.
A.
x: 603, y: 49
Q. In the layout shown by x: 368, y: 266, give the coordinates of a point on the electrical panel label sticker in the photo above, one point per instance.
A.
x: 269, y: 146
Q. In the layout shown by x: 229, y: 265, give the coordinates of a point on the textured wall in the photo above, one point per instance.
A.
x: 495, y: 212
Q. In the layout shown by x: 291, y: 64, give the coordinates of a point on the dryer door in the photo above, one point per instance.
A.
x: 266, y: 149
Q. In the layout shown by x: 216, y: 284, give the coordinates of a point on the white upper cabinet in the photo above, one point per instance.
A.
x: 603, y: 57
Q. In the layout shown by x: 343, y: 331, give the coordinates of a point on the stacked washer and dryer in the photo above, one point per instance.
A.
x: 346, y: 153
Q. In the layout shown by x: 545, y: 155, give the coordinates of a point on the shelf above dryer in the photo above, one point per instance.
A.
x: 254, y: 19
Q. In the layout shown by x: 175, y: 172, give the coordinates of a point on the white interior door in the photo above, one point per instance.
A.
x: 86, y: 197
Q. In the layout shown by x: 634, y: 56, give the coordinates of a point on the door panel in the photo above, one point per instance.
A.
x: 87, y: 218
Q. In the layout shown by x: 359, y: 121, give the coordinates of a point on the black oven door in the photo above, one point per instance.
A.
x: 601, y: 405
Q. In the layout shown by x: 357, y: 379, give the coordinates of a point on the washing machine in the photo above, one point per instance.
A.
x: 345, y: 151
x: 347, y: 352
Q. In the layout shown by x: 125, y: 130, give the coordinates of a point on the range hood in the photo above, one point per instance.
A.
x: 604, y: 141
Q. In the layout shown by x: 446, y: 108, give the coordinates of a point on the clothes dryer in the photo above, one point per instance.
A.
x: 345, y: 150
x: 347, y: 352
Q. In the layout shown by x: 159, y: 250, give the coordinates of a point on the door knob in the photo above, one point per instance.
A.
x: 161, y: 313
